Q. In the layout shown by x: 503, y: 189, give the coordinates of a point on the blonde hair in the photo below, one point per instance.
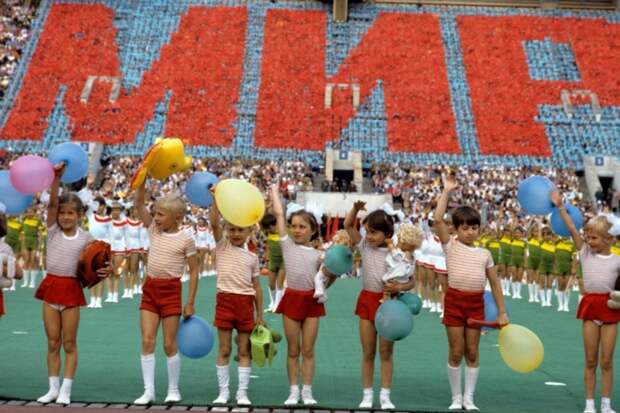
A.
x: 410, y: 234
x: 172, y: 203
x: 342, y: 237
x: 599, y: 224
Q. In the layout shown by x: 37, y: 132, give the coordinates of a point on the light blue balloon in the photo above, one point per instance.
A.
x: 557, y: 224
x: 75, y: 159
x: 534, y: 195
x: 14, y: 201
x: 198, y: 188
x: 195, y: 337
x: 412, y: 301
x: 338, y: 259
x: 393, y: 320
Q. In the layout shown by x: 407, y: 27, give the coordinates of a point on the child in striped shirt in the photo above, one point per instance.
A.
x: 239, y: 295
x: 469, y: 268
x: 170, y: 248
x: 600, y: 269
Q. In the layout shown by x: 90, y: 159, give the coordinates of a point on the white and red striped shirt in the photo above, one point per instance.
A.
x: 301, y: 264
x: 168, y: 252
x: 133, y: 232
x: 100, y: 227
x: 467, y: 266
x: 236, y: 268
x: 117, y: 236
x: 600, y: 272
x: 374, y: 266
x: 63, y: 252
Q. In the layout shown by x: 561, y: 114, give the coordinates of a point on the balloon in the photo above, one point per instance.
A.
x: 338, y: 259
x: 75, y: 159
x: 239, y: 202
x: 393, y: 320
x: 195, y: 337
x: 520, y: 348
x: 557, y: 224
x: 198, y: 188
x: 164, y: 158
x: 31, y: 174
x: 534, y: 195
x: 412, y: 301
x: 14, y: 201
x: 490, y: 308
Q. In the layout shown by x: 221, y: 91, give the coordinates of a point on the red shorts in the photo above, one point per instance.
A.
x: 234, y: 311
x: 1, y: 304
x: 461, y: 305
x: 299, y: 305
x: 594, y: 307
x: 59, y: 290
x: 368, y: 303
x: 162, y: 296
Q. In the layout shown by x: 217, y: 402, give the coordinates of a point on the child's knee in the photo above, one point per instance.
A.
x: 148, y: 345
x: 607, y: 364
x: 308, y: 353
x: 591, y: 363
x: 472, y: 355
x: 293, y: 352
x: 69, y: 345
x: 53, y: 345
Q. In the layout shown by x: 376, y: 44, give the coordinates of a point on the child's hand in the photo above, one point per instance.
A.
x: 188, y: 310
x: 556, y: 198
x: 391, y: 287
x: 502, y: 320
x: 260, y: 321
x: 449, y: 183
x: 59, y: 168
x: 359, y: 206
x: 104, y: 272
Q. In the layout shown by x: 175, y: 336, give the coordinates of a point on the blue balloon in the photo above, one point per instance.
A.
x: 534, y: 195
x: 338, y: 259
x: 14, y: 201
x: 197, y: 188
x: 393, y: 320
x: 412, y: 301
x: 490, y: 308
x: 75, y: 159
x: 557, y: 224
x: 195, y: 337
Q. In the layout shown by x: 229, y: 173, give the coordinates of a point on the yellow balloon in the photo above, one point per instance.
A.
x: 520, y: 348
x: 239, y: 202
x: 164, y: 158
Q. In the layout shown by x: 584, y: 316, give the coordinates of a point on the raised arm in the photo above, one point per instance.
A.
x: 449, y: 185
x: 140, y: 205
x: 278, y: 210
x: 214, y: 218
x: 349, y: 221
x: 556, y: 199
x: 52, y: 207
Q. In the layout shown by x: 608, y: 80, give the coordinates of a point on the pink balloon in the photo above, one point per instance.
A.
x: 30, y: 174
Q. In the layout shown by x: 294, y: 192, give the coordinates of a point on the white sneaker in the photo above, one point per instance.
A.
x: 386, y: 403
x: 146, y: 398
x: 63, y: 398
x: 457, y: 403
x: 588, y: 410
x: 49, y: 397
x: 607, y: 410
x: 367, y: 401
x: 242, y: 398
x: 222, y: 398
x: 109, y: 299
x: 293, y: 399
x: 174, y: 396
x: 468, y: 404
x: 433, y: 308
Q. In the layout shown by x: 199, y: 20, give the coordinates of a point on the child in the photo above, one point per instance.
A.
x: 169, y: 249
x: 468, y: 270
x: 546, y: 266
x: 373, y: 249
x: 300, y: 310
x: 100, y: 227
x: 517, y: 261
x: 201, y: 236
x: 118, y: 242
x: 239, y: 294
x: 60, y: 290
x: 133, y: 245
x: 323, y: 278
x: 400, y: 260
x: 600, y: 323
x: 13, y: 239
x: 564, y: 251
x: 30, y: 243
x: 505, y: 250
x: 275, y: 261
x: 532, y: 262
x: 9, y: 267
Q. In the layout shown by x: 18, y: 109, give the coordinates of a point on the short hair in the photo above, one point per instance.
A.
x: 342, y: 237
x: 310, y: 219
x: 380, y: 221
x: 410, y: 234
x: 172, y: 203
x: 546, y: 231
x: 268, y: 220
x: 465, y: 215
x: 598, y: 224
x: 72, y: 198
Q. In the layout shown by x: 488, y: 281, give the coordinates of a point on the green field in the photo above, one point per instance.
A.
x: 109, y: 364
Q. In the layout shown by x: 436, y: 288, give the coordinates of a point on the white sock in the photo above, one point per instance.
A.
x: 147, y: 361
x: 174, y: 372
x: 560, y: 300
x: 54, y: 383
x: 306, y: 389
x: 548, y: 292
x: 223, y: 377
x: 567, y: 295
x: 517, y: 285
x: 590, y: 404
x: 605, y: 403
x: 471, y: 378
x: 244, y: 378
x: 26, y: 275
x: 454, y: 377
x: 33, y: 277
x: 530, y: 291
x: 66, y: 386
x: 541, y: 292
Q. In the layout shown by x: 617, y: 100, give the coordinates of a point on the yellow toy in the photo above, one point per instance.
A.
x: 162, y: 159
